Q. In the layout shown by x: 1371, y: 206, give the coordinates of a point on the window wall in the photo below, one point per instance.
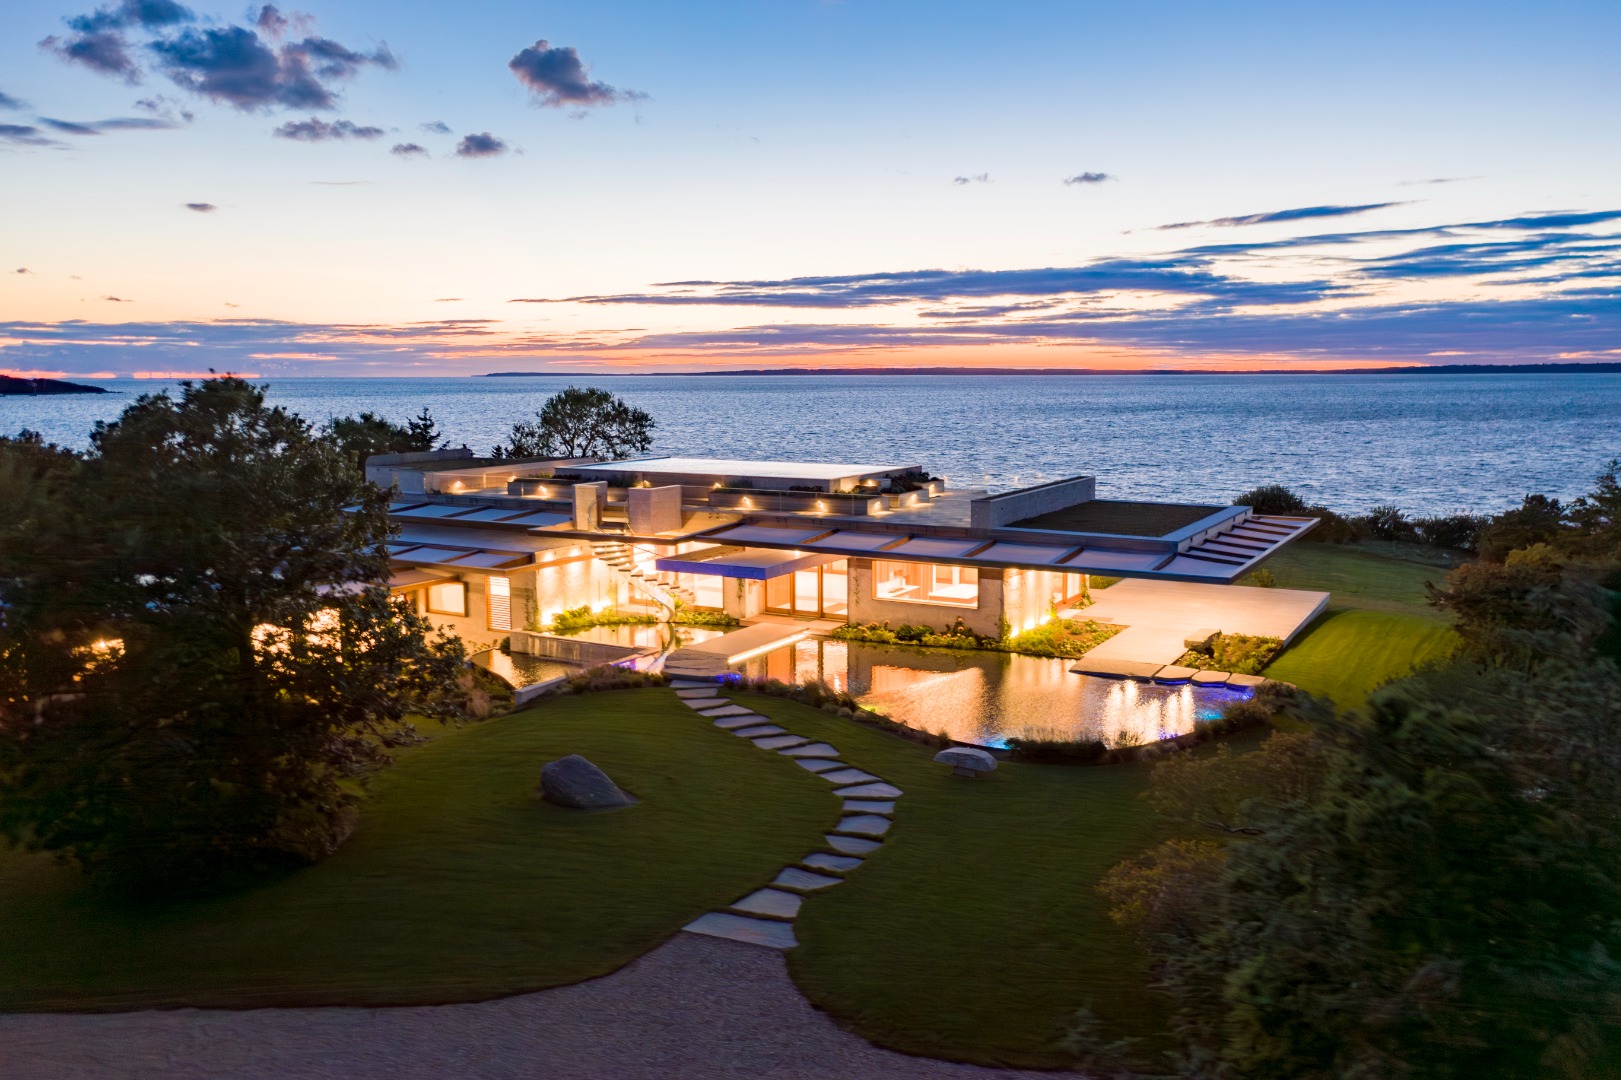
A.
x: 926, y: 583
x: 821, y: 591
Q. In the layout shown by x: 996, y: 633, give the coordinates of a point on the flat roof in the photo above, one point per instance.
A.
x: 1120, y: 518
x: 696, y: 466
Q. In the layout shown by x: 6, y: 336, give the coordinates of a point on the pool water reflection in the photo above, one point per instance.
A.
x: 519, y: 669
x: 662, y: 636
x: 987, y: 698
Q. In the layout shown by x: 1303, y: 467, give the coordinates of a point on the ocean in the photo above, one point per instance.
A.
x: 1426, y: 443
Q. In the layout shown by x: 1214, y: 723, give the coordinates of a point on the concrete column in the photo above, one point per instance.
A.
x: 589, y: 499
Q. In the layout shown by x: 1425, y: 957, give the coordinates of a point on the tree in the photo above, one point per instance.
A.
x: 359, y: 437
x: 1537, y: 520
x: 203, y: 654
x: 581, y: 423
x: 1429, y: 887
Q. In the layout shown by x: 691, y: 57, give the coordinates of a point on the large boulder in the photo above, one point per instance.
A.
x: 574, y: 781
x: 966, y: 760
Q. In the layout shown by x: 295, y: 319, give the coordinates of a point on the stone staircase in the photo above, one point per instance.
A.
x: 618, y: 554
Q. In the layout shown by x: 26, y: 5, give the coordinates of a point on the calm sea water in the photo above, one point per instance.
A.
x: 1430, y: 443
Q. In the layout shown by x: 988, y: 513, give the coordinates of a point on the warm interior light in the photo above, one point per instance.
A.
x: 820, y: 505
x: 456, y: 485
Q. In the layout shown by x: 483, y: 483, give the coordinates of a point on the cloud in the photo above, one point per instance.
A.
x: 201, y: 207
x: 977, y: 178
x: 1088, y: 178
x: 104, y: 52
x: 435, y: 127
x: 482, y: 144
x: 9, y: 102
x: 448, y: 300
x: 409, y: 149
x: 317, y: 130
x: 557, y: 77
x: 1298, y: 214
x: 24, y: 270
x: 101, y: 127
x: 25, y: 135
x: 1437, y: 180
x: 118, y: 299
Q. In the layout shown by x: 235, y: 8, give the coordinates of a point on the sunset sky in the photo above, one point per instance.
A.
x: 387, y: 189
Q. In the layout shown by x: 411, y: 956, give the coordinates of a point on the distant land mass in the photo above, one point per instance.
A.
x: 1410, y: 369
x: 12, y: 385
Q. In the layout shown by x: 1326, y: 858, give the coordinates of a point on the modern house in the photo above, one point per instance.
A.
x: 489, y: 547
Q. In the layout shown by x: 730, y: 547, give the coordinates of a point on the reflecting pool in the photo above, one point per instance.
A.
x: 987, y: 698
x: 520, y: 669
x: 662, y: 636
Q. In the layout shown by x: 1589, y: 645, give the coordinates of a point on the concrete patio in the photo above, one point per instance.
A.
x: 1160, y: 616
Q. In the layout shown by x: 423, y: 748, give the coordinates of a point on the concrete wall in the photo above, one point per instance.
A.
x: 742, y: 599
x: 654, y: 510
x: 575, y: 581
x: 995, y: 511
x: 983, y: 619
x: 589, y: 502
x: 405, y: 470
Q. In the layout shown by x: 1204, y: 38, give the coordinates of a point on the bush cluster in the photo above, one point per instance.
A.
x: 1456, y: 532
x: 1057, y: 637
x: 690, y: 617
x: 1240, y: 654
x: 609, y: 677
x: 583, y: 618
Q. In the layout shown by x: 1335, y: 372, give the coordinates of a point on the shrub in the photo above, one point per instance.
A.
x: 689, y: 617
x: 583, y: 618
x: 1388, y: 523
x: 1263, y: 579
x: 608, y: 677
x: 1459, y: 532
x: 1272, y: 499
x: 1056, y: 637
x: 1058, y: 751
x: 1240, y: 654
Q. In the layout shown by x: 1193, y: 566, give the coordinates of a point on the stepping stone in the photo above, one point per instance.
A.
x: 817, y: 765
x: 1172, y: 674
x: 692, y: 693
x: 792, y: 877
x: 869, y: 806
x: 1248, y: 682
x: 693, y: 684
x: 729, y: 710
x: 848, y: 776
x: 815, y: 749
x: 768, y: 932
x: 1209, y: 678
x: 705, y: 703
x: 773, y: 902
x: 757, y: 730
x: 838, y: 864
x: 727, y: 723
x: 870, y: 791
x: 851, y: 845
x: 864, y: 825
x: 777, y: 742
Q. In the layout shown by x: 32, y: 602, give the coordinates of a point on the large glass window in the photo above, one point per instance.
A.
x: 926, y: 583
x: 448, y: 598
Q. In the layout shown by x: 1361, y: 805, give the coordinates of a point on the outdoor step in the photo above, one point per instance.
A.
x: 777, y: 742
x: 773, y: 902
x: 811, y: 750
x: 869, y: 806
x: 768, y: 932
x: 689, y: 693
x: 728, y: 710
x: 870, y: 791
x: 864, y: 825
x: 792, y: 877
x: 852, y: 845
x: 759, y: 729
x: 703, y: 703
x: 742, y: 720
x: 849, y: 776
x: 817, y: 765
x: 692, y: 684
x: 838, y: 864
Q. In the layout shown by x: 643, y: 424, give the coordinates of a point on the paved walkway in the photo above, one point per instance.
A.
x: 697, y: 1007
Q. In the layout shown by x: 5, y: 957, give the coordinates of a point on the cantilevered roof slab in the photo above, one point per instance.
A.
x: 753, y: 564
x: 1007, y: 552
x: 764, y: 534
x: 859, y: 542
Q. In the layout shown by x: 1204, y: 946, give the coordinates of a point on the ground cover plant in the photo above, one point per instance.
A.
x: 1242, y: 654
x: 459, y: 883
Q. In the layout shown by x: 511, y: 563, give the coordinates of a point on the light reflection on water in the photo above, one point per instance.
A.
x: 519, y: 669
x: 988, y: 698
x: 664, y: 636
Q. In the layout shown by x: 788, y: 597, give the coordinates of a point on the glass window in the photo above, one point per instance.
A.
x: 448, y: 598
x: 926, y: 583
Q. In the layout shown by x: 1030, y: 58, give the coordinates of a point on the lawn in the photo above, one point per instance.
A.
x: 460, y: 883
x: 1345, y: 654
x: 976, y: 933
x: 1368, y: 577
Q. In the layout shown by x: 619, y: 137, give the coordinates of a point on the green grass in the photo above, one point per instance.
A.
x: 976, y: 932
x: 1345, y: 654
x: 460, y: 883
x: 1366, y: 577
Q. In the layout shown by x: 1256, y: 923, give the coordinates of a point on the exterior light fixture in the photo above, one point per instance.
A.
x: 456, y: 485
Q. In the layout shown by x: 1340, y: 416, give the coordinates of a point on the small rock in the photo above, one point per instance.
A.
x: 966, y: 761
x: 575, y: 782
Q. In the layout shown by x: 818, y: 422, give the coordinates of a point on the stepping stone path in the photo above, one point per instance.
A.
x: 765, y: 916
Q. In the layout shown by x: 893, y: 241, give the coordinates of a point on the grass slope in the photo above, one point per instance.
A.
x: 1367, y: 577
x: 1345, y: 654
x: 975, y: 933
x: 460, y: 883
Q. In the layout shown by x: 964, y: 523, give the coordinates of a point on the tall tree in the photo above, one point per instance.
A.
x: 359, y: 437
x: 204, y: 654
x: 581, y: 423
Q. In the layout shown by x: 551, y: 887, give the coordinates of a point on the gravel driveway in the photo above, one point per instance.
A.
x: 695, y: 1007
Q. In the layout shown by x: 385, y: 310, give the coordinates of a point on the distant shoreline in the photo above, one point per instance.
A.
x: 1430, y: 369
x: 11, y: 386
